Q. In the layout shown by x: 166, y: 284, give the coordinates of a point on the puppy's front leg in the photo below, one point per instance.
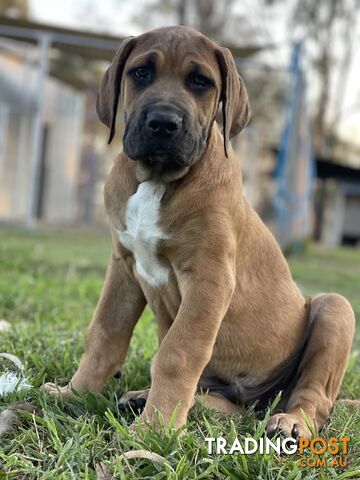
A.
x: 120, y: 306
x: 187, y: 347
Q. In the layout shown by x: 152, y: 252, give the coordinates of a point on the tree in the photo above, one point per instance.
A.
x: 14, y: 8
x: 320, y: 21
x: 210, y: 16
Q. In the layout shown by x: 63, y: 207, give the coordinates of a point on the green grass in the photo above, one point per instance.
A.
x: 49, y: 286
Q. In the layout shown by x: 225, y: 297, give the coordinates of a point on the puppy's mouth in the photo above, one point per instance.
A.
x: 160, y: 158
x: 162, y: 161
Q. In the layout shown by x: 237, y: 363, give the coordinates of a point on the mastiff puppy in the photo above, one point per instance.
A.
x: 233, y: 327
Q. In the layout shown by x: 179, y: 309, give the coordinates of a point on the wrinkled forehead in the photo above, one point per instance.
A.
x: 175, y: 48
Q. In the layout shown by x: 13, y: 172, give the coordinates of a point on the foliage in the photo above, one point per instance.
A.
x: 14, y: 8
x: 321, y: 21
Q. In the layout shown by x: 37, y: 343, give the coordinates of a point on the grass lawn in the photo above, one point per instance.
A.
x: 49, y: 286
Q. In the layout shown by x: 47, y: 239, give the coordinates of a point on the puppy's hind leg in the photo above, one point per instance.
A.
x: 322, y: 368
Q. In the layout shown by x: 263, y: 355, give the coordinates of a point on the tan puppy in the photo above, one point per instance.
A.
x: 231, y: 321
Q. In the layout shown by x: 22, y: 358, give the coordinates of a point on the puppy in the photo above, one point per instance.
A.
x: 233, y: 327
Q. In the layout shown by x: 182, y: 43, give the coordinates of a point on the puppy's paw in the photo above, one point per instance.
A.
x: 289, y: 425
x: 133, y: 401
x: 57, y: 391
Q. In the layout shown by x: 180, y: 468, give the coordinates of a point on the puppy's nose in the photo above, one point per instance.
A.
x: 163, y: 123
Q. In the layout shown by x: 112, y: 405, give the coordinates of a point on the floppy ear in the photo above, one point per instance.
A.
x: 109, y: 92
x: 235, y: 102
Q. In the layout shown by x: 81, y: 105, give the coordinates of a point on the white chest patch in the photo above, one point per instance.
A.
x: 142, y: 233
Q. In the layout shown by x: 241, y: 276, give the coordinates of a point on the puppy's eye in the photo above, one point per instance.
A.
x: 199, y: 82
x: 141, y: 72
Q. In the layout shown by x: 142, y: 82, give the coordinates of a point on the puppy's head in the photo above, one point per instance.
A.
x: 170, y: 82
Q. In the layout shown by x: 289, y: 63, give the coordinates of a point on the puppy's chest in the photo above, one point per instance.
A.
x: 142, y: 232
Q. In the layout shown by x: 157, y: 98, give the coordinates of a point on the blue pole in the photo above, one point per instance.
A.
x: 283, y: 199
